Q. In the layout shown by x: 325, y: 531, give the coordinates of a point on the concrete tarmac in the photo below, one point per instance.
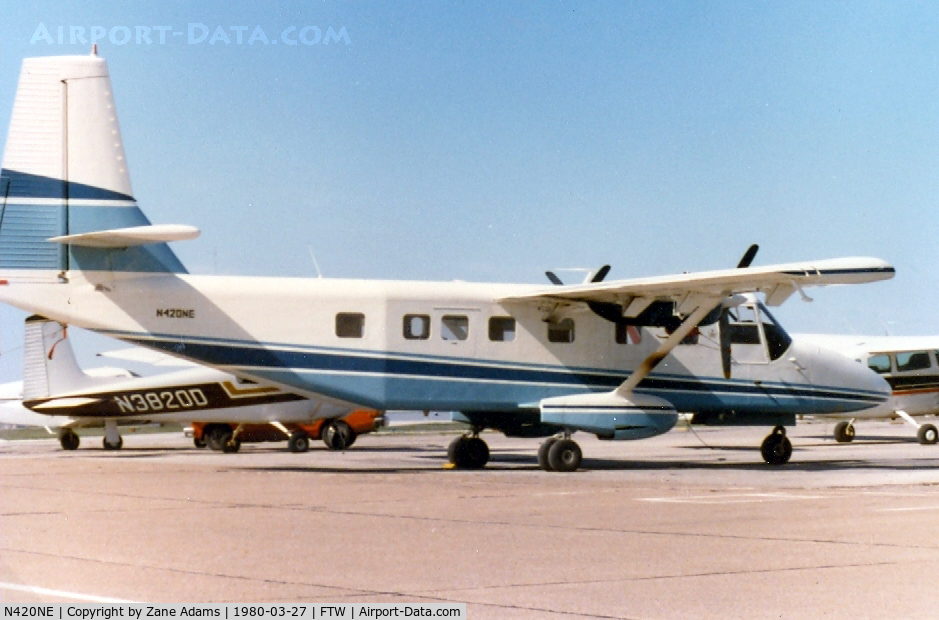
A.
x: 685, y: 525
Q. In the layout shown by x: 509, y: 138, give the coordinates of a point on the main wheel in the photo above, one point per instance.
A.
x: 337, y: 435
x: 298, y: 442
x: 113, y: 446
x: 543, y: 453
x: 69, y: 440
x: 231, y: 445
x: 927, y: 434
x: 844, y: 432
x: 216, y: 435
x: 776, y: 448
x: 564, y: 455
x: 476, y: 452
x: 468, y: 452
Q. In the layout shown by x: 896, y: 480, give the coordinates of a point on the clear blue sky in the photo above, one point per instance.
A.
x: 492, y: 141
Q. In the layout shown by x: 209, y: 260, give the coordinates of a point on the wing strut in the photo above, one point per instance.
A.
x: 666, y: 347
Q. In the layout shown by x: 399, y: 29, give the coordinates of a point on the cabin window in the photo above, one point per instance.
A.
x: 914, y: 360
x: 628, y: 334
x: 416, y: 326
x: 453, y: 327
x: 501, y: 329
x: 561, y: 331
x: 350, y: 324
x: 879, y: 363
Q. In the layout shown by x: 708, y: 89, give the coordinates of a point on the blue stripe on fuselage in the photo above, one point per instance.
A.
x: 388, y: 380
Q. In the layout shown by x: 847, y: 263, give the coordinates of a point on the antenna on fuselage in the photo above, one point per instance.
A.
x: 319, y: 274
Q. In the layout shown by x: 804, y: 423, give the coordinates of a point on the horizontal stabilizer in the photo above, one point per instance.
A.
x: 135, y: 235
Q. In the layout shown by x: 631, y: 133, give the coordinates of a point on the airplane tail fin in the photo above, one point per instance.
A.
x: 49, y: 364
x: 64, y: 177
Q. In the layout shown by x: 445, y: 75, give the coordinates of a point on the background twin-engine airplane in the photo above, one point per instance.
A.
x: 618, y: 359
x: 223, y: 409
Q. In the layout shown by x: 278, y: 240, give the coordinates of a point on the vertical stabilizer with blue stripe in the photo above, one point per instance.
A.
x: 64, y: 174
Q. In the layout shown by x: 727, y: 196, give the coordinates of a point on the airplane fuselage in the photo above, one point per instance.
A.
x: 433, y: 345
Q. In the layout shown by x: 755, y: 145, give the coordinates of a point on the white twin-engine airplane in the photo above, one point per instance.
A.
x: 56, y: 392
x: 618, y: 359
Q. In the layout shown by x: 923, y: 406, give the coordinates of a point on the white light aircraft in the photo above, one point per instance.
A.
x: 910, y: 364
x: 55, y: 388
x: 529, y: 360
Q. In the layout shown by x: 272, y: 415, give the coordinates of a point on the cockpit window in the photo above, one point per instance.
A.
x: 777, y: 340
x: 879, y: 363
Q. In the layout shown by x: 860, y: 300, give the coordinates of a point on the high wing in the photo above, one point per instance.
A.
x: 690, y: 290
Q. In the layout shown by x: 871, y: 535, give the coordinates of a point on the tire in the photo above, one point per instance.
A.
x: 199, y: 443
x: 455, y: 451
x: 565, y: 455
x: 231, y: 445
x: 113, y: 446
x: 298, y: 442
x: 337, y: 435
x: 927, y: 434
x: 476, y: 453
x: 69, y: 440
x: 215, y: 436
x: 844, y: 432
x: 543, y: 453
x: 776, y: 449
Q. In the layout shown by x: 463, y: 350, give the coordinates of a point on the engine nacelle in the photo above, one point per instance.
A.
x: 610, y: 416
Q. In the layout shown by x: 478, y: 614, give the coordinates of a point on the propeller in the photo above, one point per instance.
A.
x: 598, y: 276
x: 723, y: 320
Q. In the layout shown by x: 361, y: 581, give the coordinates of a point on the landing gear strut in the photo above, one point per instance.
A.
x: 776, y: 448
x: 468, y: 452
x: 112, y: 438
x: 559, y: 454
x: 844, y: 431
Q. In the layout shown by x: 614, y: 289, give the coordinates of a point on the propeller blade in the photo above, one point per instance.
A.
x: 748, y: 257
x: 554, y: 279
x: 724, y: 329
x: 601, y: 274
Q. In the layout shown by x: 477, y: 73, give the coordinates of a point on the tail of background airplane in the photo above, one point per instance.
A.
x: 49, y: 364
x: 64, y: 177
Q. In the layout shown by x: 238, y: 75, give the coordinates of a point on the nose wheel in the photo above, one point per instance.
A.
x: 776, y: 448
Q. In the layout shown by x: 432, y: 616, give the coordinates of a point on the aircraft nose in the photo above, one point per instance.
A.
x: 852, y: 385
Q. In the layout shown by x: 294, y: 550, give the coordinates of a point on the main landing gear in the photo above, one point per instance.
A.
x: 468, y: 452
x: 222, y: 438
x: 112, y: 438
x: 776, y: 448
x: 559, y: 454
